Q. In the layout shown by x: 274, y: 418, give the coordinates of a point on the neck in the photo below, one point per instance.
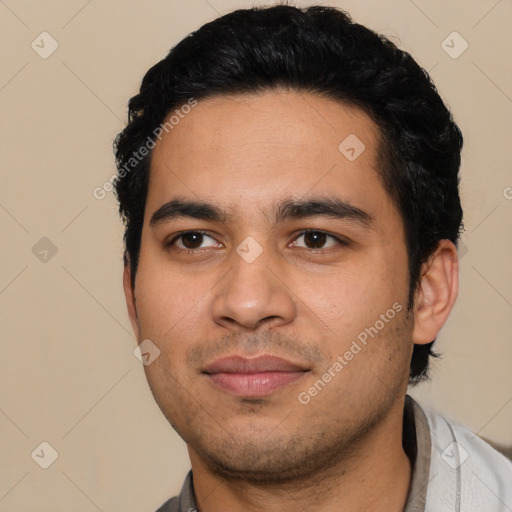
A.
x: 376, y: 476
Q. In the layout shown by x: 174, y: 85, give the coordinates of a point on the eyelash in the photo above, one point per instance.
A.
x: 340, y: 241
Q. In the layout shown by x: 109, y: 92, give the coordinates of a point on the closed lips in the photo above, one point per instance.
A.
x: 238, y: 364
x: 252, y: 377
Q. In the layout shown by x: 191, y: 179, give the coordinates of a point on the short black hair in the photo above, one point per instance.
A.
x: 319, y: 50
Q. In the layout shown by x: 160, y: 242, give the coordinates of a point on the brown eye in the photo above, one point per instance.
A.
x: 192, y: 240
x: 314, y: 239
x: 317, y: 240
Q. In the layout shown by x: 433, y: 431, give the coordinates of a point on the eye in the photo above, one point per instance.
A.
x: 191, y: 241
x: 315, y: 240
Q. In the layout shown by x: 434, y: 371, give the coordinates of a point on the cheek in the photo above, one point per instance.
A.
x: 353, y: 296
x: 169, y: 302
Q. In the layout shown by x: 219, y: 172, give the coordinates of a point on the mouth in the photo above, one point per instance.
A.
x: 253, y: 377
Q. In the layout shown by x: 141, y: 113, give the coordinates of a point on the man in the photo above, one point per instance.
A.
x: 289, y: 184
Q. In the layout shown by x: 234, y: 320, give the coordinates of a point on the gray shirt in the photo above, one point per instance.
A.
x: 416, y: 443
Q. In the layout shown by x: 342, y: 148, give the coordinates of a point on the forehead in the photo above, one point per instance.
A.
x: 242, y: 149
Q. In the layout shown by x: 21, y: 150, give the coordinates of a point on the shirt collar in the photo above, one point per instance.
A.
x: 417, y: 445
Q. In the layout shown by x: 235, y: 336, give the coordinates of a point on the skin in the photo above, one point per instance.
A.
x: 297, y: 300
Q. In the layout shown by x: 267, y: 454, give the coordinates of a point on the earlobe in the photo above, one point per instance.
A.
x: 129, y: 294
x: 436, y: 293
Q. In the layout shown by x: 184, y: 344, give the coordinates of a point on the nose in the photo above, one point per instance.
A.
x: 251, y: 295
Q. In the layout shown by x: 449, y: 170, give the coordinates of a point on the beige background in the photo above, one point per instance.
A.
x: 68, y: 373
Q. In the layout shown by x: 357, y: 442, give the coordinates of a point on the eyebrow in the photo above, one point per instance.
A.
x: 331, y: 207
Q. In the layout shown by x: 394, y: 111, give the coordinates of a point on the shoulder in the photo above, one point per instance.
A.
x: 466, y: 473
x: 185, y: 501
x: 171, y: 505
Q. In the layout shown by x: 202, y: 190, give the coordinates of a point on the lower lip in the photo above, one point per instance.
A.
x: 253, y: 384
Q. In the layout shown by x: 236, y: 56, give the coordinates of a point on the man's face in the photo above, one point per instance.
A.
x: 251, y: 285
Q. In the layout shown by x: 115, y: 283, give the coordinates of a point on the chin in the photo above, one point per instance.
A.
x: 271, y: 460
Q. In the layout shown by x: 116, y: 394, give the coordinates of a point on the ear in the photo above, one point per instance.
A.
x: 436, y: 292
x: 129, y: 294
